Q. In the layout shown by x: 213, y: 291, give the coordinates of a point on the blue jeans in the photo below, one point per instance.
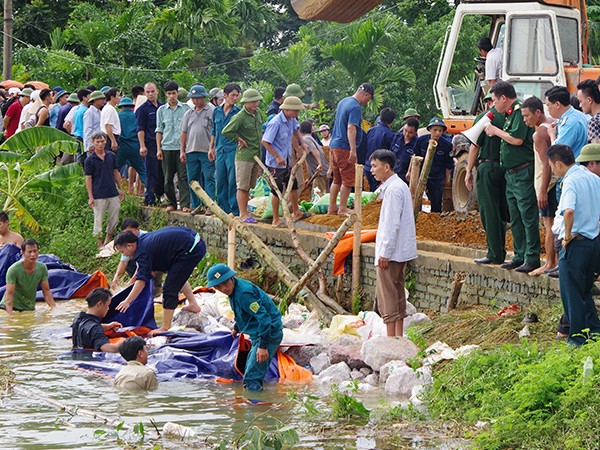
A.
x: 154, y: 174
x: 202, y: 170
x: 226, y: 185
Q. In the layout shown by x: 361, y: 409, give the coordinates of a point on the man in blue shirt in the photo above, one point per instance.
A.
x: 223, y: 150
x: 176, y: 250
x: 103, y: 184
x: 442, y: 164
x: 146, y: 127
x: 571, y: 125
x: 129, y: 145
x: 343, y: 146
x: 277, y: 101
x: 255, y: 315
x: 282, y: 134
x: 403, y: 146
x: 379, y: 137
x: 83, y: 95
x: 579, y: 207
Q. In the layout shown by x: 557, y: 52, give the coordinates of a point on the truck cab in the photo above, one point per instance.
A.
x: 543, y: 45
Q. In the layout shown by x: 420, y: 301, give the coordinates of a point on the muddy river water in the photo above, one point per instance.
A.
x: 30, y: 417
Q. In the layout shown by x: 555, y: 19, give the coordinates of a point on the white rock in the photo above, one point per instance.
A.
x: 366, y: 387
x: 357, y: 374
x: 388, y: 369
x: 415, y: 398
x: 403, y: 381
x: 437, y: 352
x: 372, y: 379
x: 383, y: 349
x: 320, y: 363
x: 366, y: 371
x: 524, y: 332
x: 415, y: 319
x: 466, y: 350
x: 347, y: 339
x: 335, y: 374
x: 410, y: 308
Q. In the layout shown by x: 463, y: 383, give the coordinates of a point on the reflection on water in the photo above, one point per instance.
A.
x: 29, y: 346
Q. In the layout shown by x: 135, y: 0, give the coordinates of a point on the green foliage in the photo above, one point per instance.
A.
x: 532, y: 399
x: 416, y: 337
x: 347, y: 408
x: 255, y: 438
x: 306, y: 403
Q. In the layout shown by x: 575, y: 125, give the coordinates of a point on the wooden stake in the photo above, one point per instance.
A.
x: 268, y: 257
x: 231, y: 243
x: 459, y: 279
x: 358, y: 184
x: 418, y: 198
x: 415, y: 167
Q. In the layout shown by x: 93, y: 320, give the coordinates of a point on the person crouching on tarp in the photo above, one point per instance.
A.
x: 255, y: 315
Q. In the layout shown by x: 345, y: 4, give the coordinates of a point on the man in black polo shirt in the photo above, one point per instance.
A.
x: 516, y: 157
x: 175, y: 250
x: 101, y: 174
x: 146, y: 127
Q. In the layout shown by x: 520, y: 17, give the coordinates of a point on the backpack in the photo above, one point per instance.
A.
x: 6, y: 105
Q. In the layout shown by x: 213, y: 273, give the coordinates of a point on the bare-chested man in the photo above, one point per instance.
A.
x: 7, y: 236
x: 545, y: 182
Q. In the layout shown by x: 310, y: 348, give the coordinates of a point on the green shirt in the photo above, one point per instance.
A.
x: 512, y: 156
x: 489, y: 147
x: 168, y: 123
x: 26, y: 285
x: 247, y: 126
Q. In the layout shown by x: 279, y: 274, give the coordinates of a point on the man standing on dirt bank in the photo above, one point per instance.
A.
x: 175, y: 250
x: 491, y: 189
x: 255, y: 315
x: 516, y: 157
x: 348, y: 118
x: 396, y: 241
x: 580, y: 207
x: 23, y: 279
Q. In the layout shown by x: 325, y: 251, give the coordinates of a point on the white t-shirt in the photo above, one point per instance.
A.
x: 71, y: 115
x: 493, y: 64
x: 110, y: 116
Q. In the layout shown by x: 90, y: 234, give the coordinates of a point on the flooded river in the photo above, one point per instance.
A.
x: 31, y: 418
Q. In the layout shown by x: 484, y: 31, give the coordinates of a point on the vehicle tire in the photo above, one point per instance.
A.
x: 463, y: 199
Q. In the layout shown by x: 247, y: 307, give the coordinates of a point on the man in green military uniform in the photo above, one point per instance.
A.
x: 491, y: 187
x: 516, y: 157
x: 245, y: 128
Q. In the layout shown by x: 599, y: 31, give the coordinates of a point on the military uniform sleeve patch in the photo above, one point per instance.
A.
x: 254, y: 307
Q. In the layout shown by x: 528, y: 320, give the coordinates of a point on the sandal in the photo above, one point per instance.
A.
x: 250, y: 220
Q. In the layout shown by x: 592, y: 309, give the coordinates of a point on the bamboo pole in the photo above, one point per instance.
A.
x: 231, y: 243
x: 415, y: 167
x: 417, y: 200
x: 322, y: 292
x: 284, y: 274
x: 358, y: 184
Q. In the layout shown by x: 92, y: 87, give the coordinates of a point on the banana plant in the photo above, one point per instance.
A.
x: 26, y: 160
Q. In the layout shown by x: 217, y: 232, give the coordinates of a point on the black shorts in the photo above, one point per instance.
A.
x: 282, y: 177
x: 550, y: 211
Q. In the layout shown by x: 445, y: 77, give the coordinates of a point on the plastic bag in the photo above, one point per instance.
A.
x: 321, y: 206
x: 268, y: 212
x: 261, y: 189
x: 342, y: 324
x: 257, y: 205
x: 374, y: 325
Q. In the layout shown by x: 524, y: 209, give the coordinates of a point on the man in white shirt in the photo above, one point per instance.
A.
x: 109, y: 119
x: 493, y: 60
x: 396, y: 241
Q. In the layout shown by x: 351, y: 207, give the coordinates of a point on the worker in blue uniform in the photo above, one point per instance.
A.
x: 255, y: 315
x: 442, y: 165
x: 175, y: 250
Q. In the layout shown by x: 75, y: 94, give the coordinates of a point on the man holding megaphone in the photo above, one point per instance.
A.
x: 490, y: 182
x: 516, y: 157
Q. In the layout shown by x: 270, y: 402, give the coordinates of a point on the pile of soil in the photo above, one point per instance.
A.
x: 452, y: 227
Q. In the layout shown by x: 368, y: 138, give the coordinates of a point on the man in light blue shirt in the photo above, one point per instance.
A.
x: 83, y: 95
x: 571, y: 125
x: 168, y: 142
x: 91, y: 119
x: 579, y: 207
x: 282, y: 134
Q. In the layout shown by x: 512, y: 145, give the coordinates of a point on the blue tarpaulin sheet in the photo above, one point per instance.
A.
x: 140, y: 312
x: 187, y: 355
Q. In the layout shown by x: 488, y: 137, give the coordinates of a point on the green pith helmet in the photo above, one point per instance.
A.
x: 436, y: 122
x: 411, y: 112
x: 293, y: 103
x: 293, y: 90
x: 251, y: 95
x: 218, y: 274
x: 589, y: 152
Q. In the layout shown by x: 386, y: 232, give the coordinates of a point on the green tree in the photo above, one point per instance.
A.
x: 24, y: 160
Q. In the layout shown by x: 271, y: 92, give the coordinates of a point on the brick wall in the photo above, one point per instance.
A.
x: 434, y: 269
